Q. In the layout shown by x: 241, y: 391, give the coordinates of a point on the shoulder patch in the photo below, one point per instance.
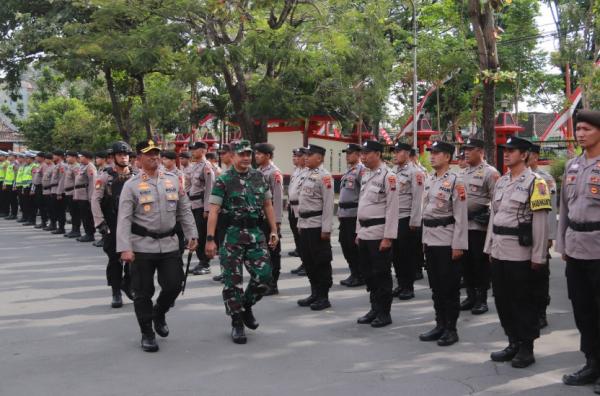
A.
x: 91, y: 172
x: 462, y: 194
x: 540, y: 196
x: 327, y: 181
x: 98, y: 184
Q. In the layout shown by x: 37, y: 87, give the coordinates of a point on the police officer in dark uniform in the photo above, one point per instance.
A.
x: 577, y: 240
x: 105, y: 207
x: 445, y: 237
x: 347, y: 214
x: 151, y: 203
x: 516, y: 241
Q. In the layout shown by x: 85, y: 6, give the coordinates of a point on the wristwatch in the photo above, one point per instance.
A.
x: 210, y: 238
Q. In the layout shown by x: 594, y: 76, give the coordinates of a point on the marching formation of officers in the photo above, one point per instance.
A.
x: 472, y: 225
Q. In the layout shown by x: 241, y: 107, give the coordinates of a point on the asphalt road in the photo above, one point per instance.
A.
x: 59, y: 336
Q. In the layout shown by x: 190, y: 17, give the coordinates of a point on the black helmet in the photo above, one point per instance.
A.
x: 120, y: 147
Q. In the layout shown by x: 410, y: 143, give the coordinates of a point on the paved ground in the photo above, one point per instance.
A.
x: 59, y: 336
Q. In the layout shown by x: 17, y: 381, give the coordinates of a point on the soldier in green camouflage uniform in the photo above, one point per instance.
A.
x: 244, y: 195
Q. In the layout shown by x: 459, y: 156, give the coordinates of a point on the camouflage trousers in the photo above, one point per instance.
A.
x: 255, y: 257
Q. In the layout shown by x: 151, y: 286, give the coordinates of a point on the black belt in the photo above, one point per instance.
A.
x: 439, y: 222
x: 475, y: 213
x: 53, y: 185
x: 348, y: 205
x: 80, y: 186
x: 144, y: 232
x: 196, y: 197
x: 294, y: 202
x: 499, y: 230
x: 371, y: 222
x: 315, y: 213
x: 244, y: 223
x: 69, y: 189
x: 47, y: 188
x: 584, y: 227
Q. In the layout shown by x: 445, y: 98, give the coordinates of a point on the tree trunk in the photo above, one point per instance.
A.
x: 115, y: 105
x: 482, y: 20
x: 142, y: 93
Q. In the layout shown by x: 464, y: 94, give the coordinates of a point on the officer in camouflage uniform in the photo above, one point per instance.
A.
x: 105, y: 207
x: 245, y: 196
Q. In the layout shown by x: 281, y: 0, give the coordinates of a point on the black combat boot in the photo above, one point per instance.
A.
x: 507, y: 354
x: 22, y: 220
x: 218, y: 278
x: 585, y: 375
x: 480, y: 306
x: 305, y: 302
x: 50, y: 227
x: 58, y: 231
x: 117, y: 301
x: 368, y: 317
x: 273, y: 289
x: 597, y: 387
x: 160, y: 323
x: 237, y: 329
x: 346, y: 282
x: 295, y: 271
x: 294, y: 253
x: 469, y: 302
x: 524, y: 358
x: 86, y: 238
x: 435, y: 333
x: 383, y: 319
x: 406, y: 293
x: 301, y: 271
x: 40, y: 226
x: 249, y: 319
x: 149, y: 343
x: 449, y: 336
x: 322, y: 301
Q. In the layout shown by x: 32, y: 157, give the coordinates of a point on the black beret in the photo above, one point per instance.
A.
x: 87, y: 154
x: 185, y: 154
x: 589, y: 116
x: 211, y: 156
x: 413, y: 152
x: 169, y: 155
x: 439, y: 146
x: 101, y: 154
x: 198, y: 145
x: 265, y: 148
x: 60, y: 153
x: 516, y: 142
x: 372, y: 145
x: 461, y: 154
x: 41, y: 154
x: 48, y: 156
x: 72, y: 153
x: 351, y: 148
x: 402, y: 146
x: 314, y: 149
x: 225, y: 148
x: 535, y: 148
x: 472, y: 143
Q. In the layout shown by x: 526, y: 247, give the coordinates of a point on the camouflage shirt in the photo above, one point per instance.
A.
x: 241, y: 196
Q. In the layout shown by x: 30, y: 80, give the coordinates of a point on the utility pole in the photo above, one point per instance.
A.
x: 415, y: 121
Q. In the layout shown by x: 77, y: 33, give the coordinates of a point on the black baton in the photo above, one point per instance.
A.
x: 187, y: 270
